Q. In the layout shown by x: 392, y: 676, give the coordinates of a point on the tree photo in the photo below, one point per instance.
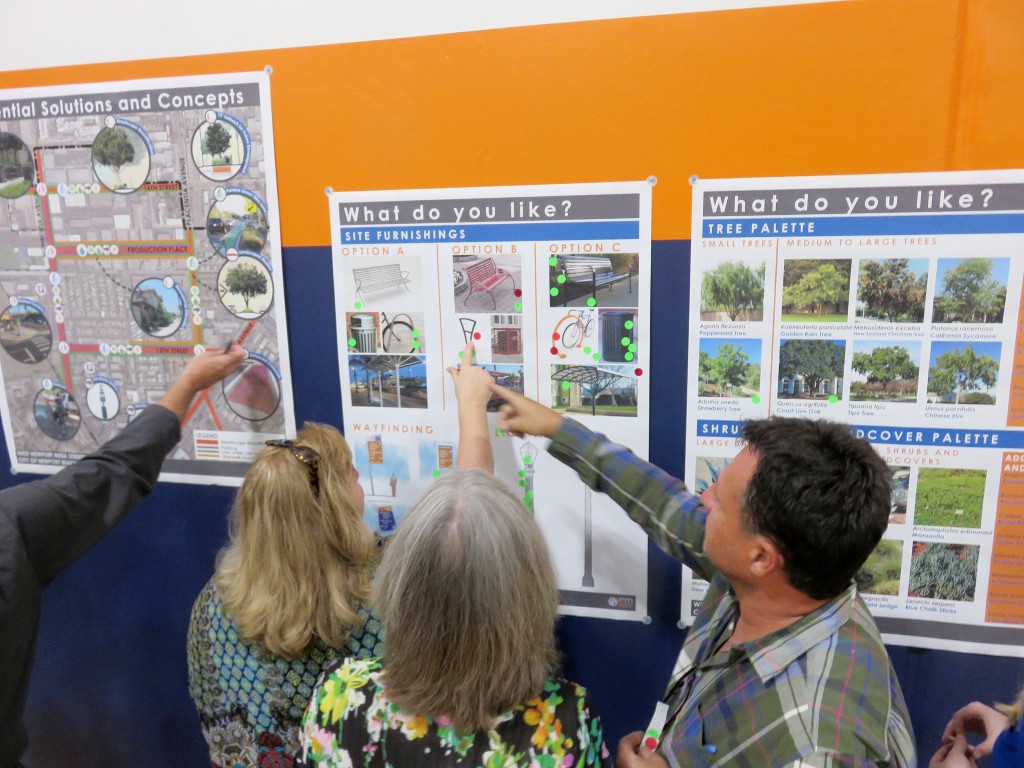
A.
x: 964, y: 373
x: 811, y: 368
x: 892, y: 290
x: 729, y: 367
x: 972, y: 290
x: 886, y: 372
x: 734, y: 289
x: 816, y: 290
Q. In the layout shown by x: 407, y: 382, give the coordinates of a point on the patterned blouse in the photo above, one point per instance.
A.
x: 251, y: 701
x: 351, y: 722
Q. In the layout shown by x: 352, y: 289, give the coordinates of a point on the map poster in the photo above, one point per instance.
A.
x: 551, y: 283
x: 892, y: 303
x: 139, y: 227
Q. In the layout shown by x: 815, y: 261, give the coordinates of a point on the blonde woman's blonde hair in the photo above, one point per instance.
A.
x: 1013, y: 711
x: 296, y: 564
x: 467, y: 597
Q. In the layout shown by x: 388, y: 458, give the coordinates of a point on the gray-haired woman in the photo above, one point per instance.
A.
x: 467, y: 597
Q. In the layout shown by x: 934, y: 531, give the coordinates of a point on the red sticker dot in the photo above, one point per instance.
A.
x: 477, y: 336
x: 518, y: 291
x: 554, y: 350
x: 556, y: 336
x: 651, y: 744
x: 639, y: 371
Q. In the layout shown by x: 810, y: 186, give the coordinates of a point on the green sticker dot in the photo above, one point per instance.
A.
x: 631, y: 347
x: 586, y: 350
x: 628, y: 356
x: 437, y: 473
x: 461, y: 353
x: 560, y: 279
x: 553, y: 261
x: 597, y: 357
x: 519, y: 306
x: 628, y: 325
x: 522, y: 483
x: 833, y: 399
x: 755, y: 399
x: 415, y: 345
x: 625, y: 341
x: 415, y: 333
x: 359, y: 305
x: 566, y: 385
x: 527, y: 460
x: 528, y: 496
x: 351, y: 342
x: 522, y: 473
x: 499, y: 432
x: 591, y: 302
x: 554, y: 291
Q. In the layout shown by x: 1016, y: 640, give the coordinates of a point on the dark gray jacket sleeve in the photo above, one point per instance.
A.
x: 62, y: 516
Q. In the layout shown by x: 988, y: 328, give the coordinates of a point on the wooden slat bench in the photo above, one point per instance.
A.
x: 484, y: 276
x: 588, y: 273
x: 379, y: 278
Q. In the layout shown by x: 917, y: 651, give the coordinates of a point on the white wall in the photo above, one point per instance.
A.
x: 47, y: 33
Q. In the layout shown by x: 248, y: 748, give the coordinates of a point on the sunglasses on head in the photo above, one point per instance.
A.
x: 307, y: 456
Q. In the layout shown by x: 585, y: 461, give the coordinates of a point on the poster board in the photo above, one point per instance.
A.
x: 551, y: 283
x: 139, y: 227
x: 892, y: 303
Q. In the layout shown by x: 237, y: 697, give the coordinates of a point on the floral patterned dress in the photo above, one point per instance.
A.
x: 250, y: 701
x: 351, y: 722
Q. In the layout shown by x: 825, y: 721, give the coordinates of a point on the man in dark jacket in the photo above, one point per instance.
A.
x: 47, y: 524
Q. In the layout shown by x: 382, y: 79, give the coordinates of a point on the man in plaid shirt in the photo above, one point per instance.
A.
x: 784, y: 665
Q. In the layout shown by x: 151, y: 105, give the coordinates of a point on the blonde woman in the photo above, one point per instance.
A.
x: 468, y: 599
x: 289, y: 595
x: 1000, y: 728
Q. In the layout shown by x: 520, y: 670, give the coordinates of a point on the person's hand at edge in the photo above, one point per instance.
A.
x: 954, y: 754
x: 202, y: 371
x: 633, y: 754
x: 522, y: 416
x: 976, y: 718
x: 472, y: 388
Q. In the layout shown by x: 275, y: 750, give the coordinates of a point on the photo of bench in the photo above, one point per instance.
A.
x: 484, y: 276
x: 379, y: 278
x: 586, y: 274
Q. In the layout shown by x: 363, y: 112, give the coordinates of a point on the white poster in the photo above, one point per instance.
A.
x: 892, y: 303
x: 139, y: 227
x: 552, y: 285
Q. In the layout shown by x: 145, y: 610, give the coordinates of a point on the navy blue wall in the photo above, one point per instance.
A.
x: 109, y: 686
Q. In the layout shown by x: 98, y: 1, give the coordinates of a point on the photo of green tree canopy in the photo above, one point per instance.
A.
x: 811, y: 368
x: 964, y: 373
x: 816, y: 290
x: 949, y: 497
x: 880, y: 575
x: 892, y: 290
x: 729, y: 367
x: 733, y: 290
x: 944, y: 571
x: 971, y: 290
x: 885, y: 372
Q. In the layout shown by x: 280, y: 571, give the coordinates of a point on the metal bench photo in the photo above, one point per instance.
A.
x: 381, y: 277
x: 483, y: 277
x: 586, y: 274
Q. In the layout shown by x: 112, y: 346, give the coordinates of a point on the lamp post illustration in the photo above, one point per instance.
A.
x: 528, y: 452
x: 588, y: 539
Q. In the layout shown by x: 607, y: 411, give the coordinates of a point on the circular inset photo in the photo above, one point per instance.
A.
x: 120, y: 159
x: 102, y: 401
x: 157, y: 308
x: 254, y: 392
x: 246, y: 288
x: 236, y: 222
x: 25, y: 334
x: 57, y: 413
x: 218, y: 150
x: 16, y: 169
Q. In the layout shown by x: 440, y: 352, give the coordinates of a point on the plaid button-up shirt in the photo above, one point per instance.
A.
x: 818, y: 693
